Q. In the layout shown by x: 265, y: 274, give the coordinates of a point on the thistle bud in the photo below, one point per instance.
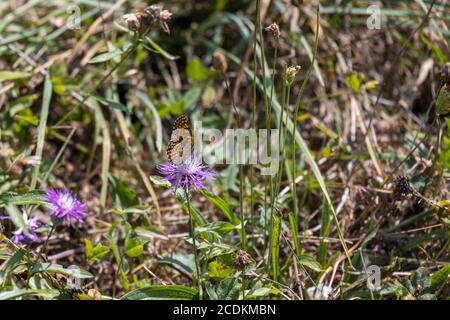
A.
x: 220, y: 61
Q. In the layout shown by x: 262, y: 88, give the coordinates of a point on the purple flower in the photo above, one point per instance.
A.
x: 65, y: 205
x: 186, y: 175
x: 29, y: 235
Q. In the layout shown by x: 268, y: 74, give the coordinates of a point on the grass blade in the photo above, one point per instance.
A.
x: 42, y: 126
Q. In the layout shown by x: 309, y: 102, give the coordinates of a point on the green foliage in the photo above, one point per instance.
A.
x: 95, y: 253
x: 93, y: 112
x: 169, y: 292
x: 196, y: 71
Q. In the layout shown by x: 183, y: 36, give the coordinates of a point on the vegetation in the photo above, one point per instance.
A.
x: 91, y: 207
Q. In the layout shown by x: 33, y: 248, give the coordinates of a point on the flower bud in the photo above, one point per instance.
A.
x: 220, y: 61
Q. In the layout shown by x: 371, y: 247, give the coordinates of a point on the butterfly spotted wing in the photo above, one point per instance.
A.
x: 181, y: 142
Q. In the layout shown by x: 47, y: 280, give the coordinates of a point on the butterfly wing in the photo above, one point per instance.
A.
x: 443, y: 101
x: 181, y: 142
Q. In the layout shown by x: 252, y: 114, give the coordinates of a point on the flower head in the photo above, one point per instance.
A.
x: 27, y: 235
x: 189, y: 174
x: 140, y: 21
x: 65, y: 205
x: 291, y: 73
x: 275, y: 29
x: 135, y: 22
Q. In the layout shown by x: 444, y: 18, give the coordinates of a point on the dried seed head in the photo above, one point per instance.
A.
x: 161, y: 16
x: 291, y: 73
x: 445, y: 73
x: 242, y: 259
x: 140, y: 21
x: 401, y: 188
x: 275, y: 29
x: 136, y: 22
x: 165, y: 15
x: 220, y: 61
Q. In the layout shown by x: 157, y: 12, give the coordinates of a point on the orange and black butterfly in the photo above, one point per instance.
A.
x: 181, y: 144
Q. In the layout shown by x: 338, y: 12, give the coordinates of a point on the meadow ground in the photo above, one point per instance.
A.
x: 102, y: 102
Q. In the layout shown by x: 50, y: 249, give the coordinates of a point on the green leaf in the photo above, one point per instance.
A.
x: 150, y: 232
x: 275, y: 245
x: 184, y: 261
x: 16, y: 216
x: 19, y: 293
x: 46, y: 98
x: 324, y: 232
x: 120, y: 259
x: 261, y: 292
x: 159, y: 181
x: 103, y: 57
x: 77, y: 273
x: 229, y: 289
x: 218, y: 227
x: 9, y: 265
x: 211, y: 290
x: 95, y: 253
x: 222, y: 205
x: 158, y: 49
x: 171, y: 292
x: 123, y: 196
x: 218, y: 270
x: 439, y: 278
x: 32, y: 197
x: 110, y: 103
x: 12, y: 294
x: 196, y: 71
x: 310, y: 262
x: 133, y: 247
x: 13, y: 75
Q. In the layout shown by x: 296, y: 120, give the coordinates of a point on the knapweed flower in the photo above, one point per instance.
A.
x: 27, y: 235
x: 186, y: 175
x: 65, y: 205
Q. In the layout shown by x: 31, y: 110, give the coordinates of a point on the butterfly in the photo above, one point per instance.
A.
x: 181, y: 144
x: 443, y: 98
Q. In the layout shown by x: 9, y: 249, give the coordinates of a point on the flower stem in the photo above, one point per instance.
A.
x: 44, y: 247
x: 194, y: 244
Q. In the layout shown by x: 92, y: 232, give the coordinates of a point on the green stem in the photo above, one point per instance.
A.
x: 194, y: 244
x: 44, y: 247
